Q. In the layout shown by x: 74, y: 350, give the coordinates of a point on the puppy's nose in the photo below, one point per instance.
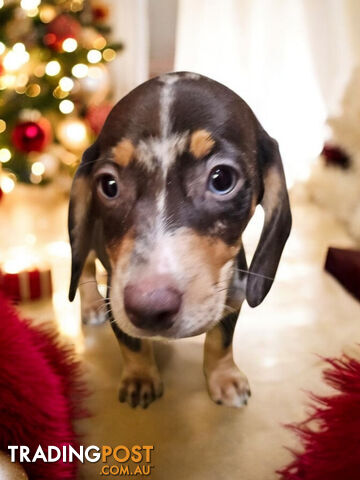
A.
x: 152, y: 303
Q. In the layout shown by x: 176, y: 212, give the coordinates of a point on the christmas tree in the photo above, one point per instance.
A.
x: 54, y: 86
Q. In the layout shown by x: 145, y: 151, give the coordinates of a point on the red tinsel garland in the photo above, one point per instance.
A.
x: 331, y: 434
x: 40, y: 392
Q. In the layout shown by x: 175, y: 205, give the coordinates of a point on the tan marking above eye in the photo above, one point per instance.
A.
x: 201, y: 143
x: 124, y: 152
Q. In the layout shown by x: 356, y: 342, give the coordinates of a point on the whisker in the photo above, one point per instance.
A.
x: 106, y: 313
x: 88, y: 281
x: 99, y: 308
x: 252, y: 273
x: 231, y: 309
x: 222, y: 282
x: 94, y: 281
x: 222, y: 290
x: 102, y: 300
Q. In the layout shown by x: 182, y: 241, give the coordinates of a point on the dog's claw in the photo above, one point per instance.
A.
x: 122, y: 395
x: 228, y: 386
x: 140, y: 389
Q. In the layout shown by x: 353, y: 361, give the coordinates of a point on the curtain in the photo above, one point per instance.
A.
x: 130, y: 25
x: 289, y: 59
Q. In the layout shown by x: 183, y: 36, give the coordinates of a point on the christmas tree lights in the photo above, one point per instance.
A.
x: 54, y: 86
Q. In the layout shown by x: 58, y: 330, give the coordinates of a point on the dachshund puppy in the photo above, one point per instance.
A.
x: 162, y: 198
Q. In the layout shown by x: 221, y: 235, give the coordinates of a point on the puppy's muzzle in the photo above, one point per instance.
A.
x: 152, y: 302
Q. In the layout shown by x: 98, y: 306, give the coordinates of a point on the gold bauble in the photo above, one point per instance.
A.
x: 93, y: 88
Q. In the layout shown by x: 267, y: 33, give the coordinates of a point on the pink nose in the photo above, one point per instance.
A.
x: 152, y: 303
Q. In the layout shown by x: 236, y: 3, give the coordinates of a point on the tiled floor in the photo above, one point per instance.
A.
x: 306, y: 313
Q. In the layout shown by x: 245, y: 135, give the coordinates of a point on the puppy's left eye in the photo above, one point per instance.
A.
x: 107, y: 185
x: 222, y: 179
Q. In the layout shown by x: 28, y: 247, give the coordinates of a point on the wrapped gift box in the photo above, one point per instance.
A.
x: 30, y: 283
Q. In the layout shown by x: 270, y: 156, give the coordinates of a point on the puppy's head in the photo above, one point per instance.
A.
x: 170, y: 185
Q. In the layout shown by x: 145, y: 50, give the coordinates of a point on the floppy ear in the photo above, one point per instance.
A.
x: 80, y: 221
x: 277, y: 223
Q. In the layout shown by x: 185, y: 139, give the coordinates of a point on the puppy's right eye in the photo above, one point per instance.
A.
x: 108, y: 186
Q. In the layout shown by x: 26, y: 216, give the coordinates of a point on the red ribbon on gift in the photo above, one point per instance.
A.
x: 31, y: 284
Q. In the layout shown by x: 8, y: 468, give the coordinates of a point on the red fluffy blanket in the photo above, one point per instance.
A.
x: 331, y: 434
x: 40, y: 391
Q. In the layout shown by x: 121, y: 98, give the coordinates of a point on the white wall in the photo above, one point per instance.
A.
x: 162, y: 25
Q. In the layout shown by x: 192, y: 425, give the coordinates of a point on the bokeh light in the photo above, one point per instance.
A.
x: 66, y: 106
x: 94, y: 56
x: 69, y: 45
x: 5, y: 155
x: 52, y: 68
x: 80, y: 70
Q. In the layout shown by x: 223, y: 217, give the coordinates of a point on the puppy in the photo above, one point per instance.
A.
x: 162, y: 198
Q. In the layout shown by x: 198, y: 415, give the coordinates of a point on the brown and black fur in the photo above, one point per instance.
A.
x: 160, y: 142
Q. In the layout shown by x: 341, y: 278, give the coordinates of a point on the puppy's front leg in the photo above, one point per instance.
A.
x: 140, y: 382
x: 93, y: 308
x: 227, y: 385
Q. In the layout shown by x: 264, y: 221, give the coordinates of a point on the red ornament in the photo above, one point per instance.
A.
x: 32, y: 136
x: 100, y: 12
x: 1, y: 194
x: 96, y: 116
x: 62, y: 27
x: 335, y: 156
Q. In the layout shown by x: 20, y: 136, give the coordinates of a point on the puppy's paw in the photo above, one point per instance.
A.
x: 140, y: 388
x: 93, y: 317
x: 228, y: 386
